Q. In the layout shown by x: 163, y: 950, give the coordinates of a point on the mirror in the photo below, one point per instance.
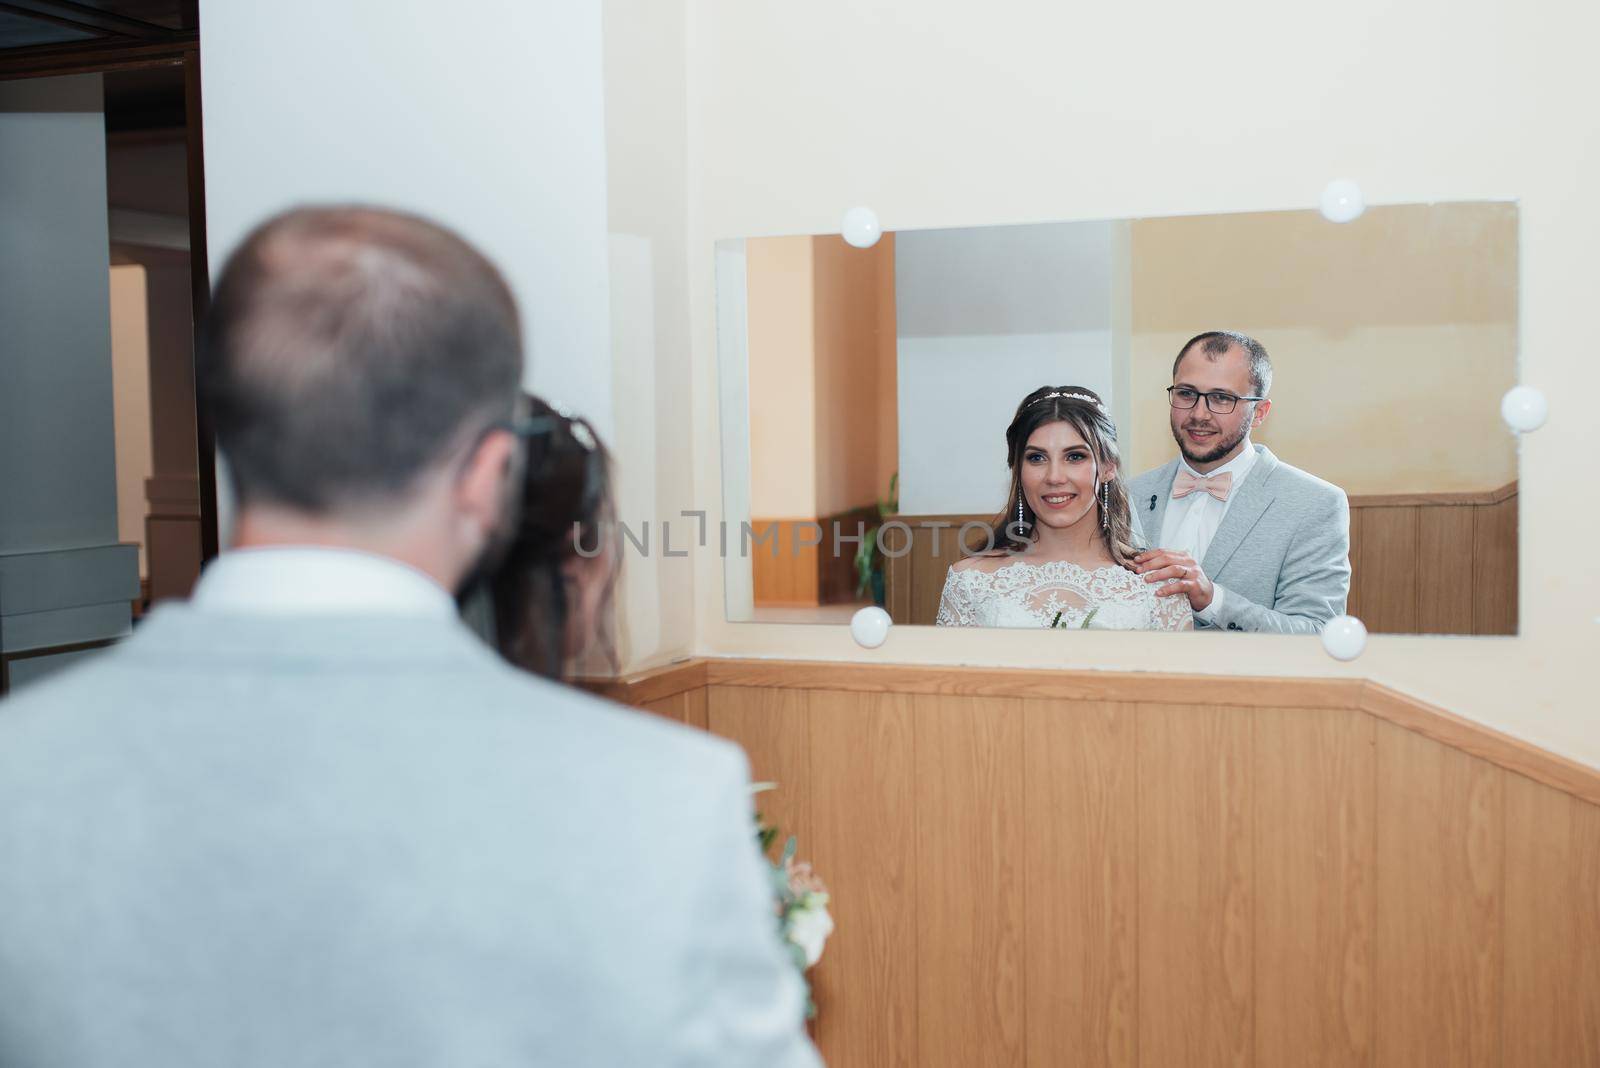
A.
x: 869, y: 391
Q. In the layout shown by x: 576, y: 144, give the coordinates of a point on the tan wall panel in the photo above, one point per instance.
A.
x: 1080, y: 762
x: 1441, y: 863
x: 1552, y: 908
x: 1444, y: 570
x: 1196, y: 868
x: 1315, y: 845
x: 1494, y: 578
x: 968, y: 886
x: 1385, y: 596
x: 771, y: 726
x: 863, y: 797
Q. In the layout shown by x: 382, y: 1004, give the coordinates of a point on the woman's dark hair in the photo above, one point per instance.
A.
x: 566, y: 504
x: 1081, y: 409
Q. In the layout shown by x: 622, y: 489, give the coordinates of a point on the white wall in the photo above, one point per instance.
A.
x: 487, y: 117
x: 984, y: 317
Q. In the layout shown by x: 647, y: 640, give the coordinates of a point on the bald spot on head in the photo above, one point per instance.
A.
x: 348, y: 350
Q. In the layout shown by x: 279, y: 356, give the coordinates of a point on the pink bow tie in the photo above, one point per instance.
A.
x: 1216, y: 485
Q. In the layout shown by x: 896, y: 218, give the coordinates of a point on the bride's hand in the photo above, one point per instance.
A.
x: 1179, y: 572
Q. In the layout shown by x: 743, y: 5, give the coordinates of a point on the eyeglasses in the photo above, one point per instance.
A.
x: 1217, y: 402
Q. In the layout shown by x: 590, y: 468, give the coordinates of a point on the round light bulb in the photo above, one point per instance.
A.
x: 1344, y: 637
x: 1524, y: 408
x: 861, y: 227
x: 870, y: 626
x: 1342, y: 201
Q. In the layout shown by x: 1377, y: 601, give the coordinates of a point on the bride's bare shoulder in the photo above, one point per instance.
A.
x: 988, y: 563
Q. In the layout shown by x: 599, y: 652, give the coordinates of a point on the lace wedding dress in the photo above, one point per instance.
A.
x: 1022, y: 594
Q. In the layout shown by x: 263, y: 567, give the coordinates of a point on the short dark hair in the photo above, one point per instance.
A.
x: 349, y: 350
x: 1217, y: 343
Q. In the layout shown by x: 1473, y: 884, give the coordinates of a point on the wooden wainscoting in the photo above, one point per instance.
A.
x: 1093, y: 868
x: 1435, y: 563
x: 788, y: 570
x: 1421, y: 563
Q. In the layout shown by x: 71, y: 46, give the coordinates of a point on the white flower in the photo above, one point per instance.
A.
x: 809, y: 925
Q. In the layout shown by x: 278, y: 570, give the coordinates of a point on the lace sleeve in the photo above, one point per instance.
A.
x: 955, y: 605
x: 1172, y: 613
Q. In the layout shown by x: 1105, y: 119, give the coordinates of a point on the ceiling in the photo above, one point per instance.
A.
x: 60, y: 36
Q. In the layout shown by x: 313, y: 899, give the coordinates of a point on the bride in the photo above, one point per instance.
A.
x: 1060, y: 552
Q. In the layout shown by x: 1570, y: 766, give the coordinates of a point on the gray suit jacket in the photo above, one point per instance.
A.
x: 365, y: 841
x: 1282, y: 551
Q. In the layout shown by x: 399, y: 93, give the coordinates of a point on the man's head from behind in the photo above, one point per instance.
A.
x: 353, y: 363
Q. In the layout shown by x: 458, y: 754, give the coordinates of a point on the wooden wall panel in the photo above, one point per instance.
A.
x: 1315, y: 847
x: 1552, y: 908
x: 1196, y: 871
x: 771, y: 725
x: 1074, y: 867
x: 1441, y: 864
x: 1080, y: 762
x: 1445, y: 582
x: 968, y: 885
x: 688, y: 707
x: 788, y: 574
x: 1386, y: 559
x: 1494, y: 576
x: 863, y: 798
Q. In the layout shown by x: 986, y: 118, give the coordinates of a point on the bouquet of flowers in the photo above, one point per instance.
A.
x: 800, y: 902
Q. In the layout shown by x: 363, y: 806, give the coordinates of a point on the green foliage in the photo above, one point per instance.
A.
x: 868, y: 559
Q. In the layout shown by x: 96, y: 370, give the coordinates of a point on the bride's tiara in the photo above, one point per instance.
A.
x: 1071, y: 396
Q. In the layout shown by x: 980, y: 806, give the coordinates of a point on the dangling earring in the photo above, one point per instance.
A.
x: 1022, y: 524
x: 1105, y: 507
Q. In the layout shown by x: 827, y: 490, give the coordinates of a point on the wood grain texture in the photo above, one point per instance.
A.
x: 1315, y: 850
x: 1469, y: 736
x: 784, y: 567
x: 1494, y: 552
x: 675, y: 707
x: 1196, y: 875
x: 1444, y: 570
x: 1386, y: 559
x: 1552, y: 907
x: 968, y: 886
x: 1441, y: 866
x: 771, y: 726
x: 1080, y: 765
x: 863, y: 797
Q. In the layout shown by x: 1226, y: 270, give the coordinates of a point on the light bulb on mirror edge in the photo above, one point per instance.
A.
x: 1344, y: 637
x: 861, y: 228
x: 1524, y: 408
x: 870, y: 626
x: 1342, y: 201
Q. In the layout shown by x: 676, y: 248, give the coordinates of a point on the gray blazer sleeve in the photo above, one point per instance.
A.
x: 1314, y: 582
x: 746, y: 1003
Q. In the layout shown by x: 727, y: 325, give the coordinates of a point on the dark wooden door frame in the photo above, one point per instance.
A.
x: 181, y: 49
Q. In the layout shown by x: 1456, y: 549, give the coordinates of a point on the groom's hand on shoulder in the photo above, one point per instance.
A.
x: 1178, y: 573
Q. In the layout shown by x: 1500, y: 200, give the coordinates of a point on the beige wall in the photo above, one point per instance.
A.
x: 1392, y: 337
x: 822, y: 375
x: 933, y: 115
x: 854, y: 373
x: 130, y: 383
x: 784, y: 406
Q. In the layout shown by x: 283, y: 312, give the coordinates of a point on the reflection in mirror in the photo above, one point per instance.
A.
x: 1248, y: 423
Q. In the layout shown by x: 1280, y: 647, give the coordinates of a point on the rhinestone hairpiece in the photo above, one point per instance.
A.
x: 1071, y: 396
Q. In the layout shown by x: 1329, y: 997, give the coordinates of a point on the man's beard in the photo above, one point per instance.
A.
x: 1215, y: 453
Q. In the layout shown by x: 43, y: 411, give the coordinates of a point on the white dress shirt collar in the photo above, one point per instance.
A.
x: 317, y: 580
x: 1239, y: 466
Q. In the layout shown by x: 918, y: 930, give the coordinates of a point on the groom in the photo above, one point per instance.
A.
x: 1253, y: 543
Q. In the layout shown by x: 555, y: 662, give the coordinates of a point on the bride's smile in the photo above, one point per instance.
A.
x: 1060, y: 476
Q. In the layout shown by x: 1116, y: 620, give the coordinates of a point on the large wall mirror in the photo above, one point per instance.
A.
x: 869, y: 391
